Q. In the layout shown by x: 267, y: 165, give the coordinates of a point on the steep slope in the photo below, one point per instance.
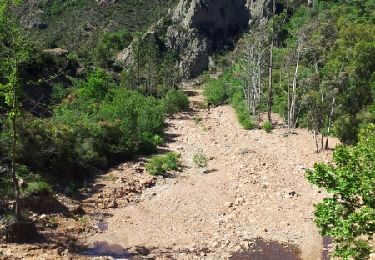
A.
x: 199, y: 28
x: 77, y: 24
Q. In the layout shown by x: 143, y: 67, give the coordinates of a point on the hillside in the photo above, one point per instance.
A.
x: 78, y: 25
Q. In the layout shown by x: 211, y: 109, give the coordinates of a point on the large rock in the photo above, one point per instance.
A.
x: 201, y: 27
x: 18, y: 232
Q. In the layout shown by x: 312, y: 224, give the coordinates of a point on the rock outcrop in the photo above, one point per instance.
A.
x: 201, y: 27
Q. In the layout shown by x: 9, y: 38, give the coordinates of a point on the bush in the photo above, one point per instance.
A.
x: 158, y: 140
x: 162, y: 164
x: 200, y: 160
x: 219, y: 91
x: 175, y: 101
x: 37, y: 188
x: 267, y: 127
x: 348, y: 214
x: 216, y: 93
x: 97, y: 126
x: 243, y: 114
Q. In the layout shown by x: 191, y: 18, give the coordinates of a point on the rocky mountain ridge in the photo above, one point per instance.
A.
x: 201, y: 27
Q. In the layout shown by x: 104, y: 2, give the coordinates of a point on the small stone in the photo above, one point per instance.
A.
x: 205, y: 171
x: 228, y: 204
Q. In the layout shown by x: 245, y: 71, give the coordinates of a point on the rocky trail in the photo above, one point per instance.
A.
x: 253, y: 190
x: 253, y: 187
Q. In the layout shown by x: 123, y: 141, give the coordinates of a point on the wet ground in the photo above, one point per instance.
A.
x: 327, y: 244
x: 106, y: 249
x: 261, y: 250
x: 269, y: 250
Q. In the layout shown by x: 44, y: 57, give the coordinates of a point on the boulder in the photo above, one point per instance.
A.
x: 199, y: 28
x: 19, y: 232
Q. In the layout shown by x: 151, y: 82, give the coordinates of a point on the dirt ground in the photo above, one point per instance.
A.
x: 253, y: 186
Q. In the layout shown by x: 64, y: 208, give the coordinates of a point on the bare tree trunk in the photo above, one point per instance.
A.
x: 17, y: 210
x: 316, y: 141
x: 138, y: 63
x: 270, y: 70
x: 330, y: 120
x: 14, y: 177
x: 294, y: 94
x: 289, y: 121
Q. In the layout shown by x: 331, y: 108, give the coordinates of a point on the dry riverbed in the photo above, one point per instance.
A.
x: 253, y: 187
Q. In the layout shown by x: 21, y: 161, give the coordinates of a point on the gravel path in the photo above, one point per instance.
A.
x: 253, y: 186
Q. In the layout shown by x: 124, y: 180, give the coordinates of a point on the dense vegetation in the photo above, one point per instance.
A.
x: 59, y: 126
x: 323, y: 68
x: 83, y: 26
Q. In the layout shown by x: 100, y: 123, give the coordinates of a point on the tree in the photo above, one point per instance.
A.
x: 251, y: 70
x: 13, y: 52
x: 348, y: 216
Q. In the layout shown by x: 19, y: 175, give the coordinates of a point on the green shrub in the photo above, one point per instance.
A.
x: 197, y: 119
x: 37, y: 188
x: 72, y: 190
x: 175, y: 101
x: 216, y: 92
x: 220, y: 91
x: 347, y: 214
x: 158, y: 140
x: 267, y: 127
x: 100, y: 124
x: 200, y: 160
x: 243, y: 114
x: 162, y: 164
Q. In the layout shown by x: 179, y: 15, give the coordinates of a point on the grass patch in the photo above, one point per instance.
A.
x: 37, y: 188
x: 160, y: 165
x: 200, y: 160
x: 267, y: 127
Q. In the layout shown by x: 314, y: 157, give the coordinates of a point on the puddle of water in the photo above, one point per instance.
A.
x: 102, y: 226
x: 327, y: 242
x: 271, y: 250
x: 106, y: 249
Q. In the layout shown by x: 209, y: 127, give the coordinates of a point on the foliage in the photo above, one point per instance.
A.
x: 37, y: 189
x: 242, y: 112
x: 97, y: 125
x: 227, y: 89
x: 348, y: 215
x: 175, y: 101
x: 162, y: 164
x: 87, y: 20
x: 153, y: 70
x: 110, y: 45
x: 200, y: 160
x: 267, y: 127
x: 216, y: 92
x: 323, y: 68
x: 220, y: 91
x: 14, y: 51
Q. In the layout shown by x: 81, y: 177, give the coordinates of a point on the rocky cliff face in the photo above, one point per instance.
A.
x: 201, y: 27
